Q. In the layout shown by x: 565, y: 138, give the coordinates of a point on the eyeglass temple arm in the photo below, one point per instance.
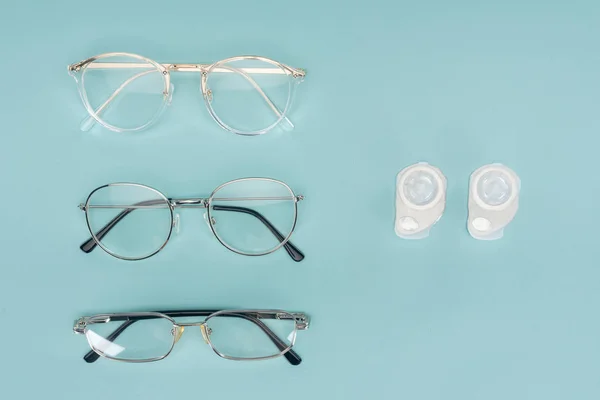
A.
x: 259, y: 90
x: 90, y: 121
x: 290, y: 355
x: 92, y: 356
x: 292, y: 250
x: 89, y: 245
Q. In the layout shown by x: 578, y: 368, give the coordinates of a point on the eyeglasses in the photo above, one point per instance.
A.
x: 249, y: 216
x: 247, y: 95
x: 232, y: 334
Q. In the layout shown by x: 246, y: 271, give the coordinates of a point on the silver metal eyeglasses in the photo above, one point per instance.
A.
x: 232, y: 334
x: 246, y: 95
x: 249, y: 216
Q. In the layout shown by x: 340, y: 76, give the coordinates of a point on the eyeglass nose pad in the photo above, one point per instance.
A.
x: 205, y: 89
x: 208, y: 94
x: 177, y: 332
x: 206, y: 331
x: 212, y: 220
x: 170, y: 98
x: 176, y: 224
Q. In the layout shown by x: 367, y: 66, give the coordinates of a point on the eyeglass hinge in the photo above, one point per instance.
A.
x: 299, y: 197
x: 79, y: 326
x: 299, y: 73
x: 83, y: 322
x: 76, y: 67
x: 302, y: 321
x: 81, y: 207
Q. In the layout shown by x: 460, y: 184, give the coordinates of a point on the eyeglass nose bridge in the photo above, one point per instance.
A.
x: 205, y: 330
x: 199, y: 202
x: 187, y: 67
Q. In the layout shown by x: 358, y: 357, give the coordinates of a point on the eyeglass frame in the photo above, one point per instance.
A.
x: 301, y: 322
x: 298, y: 74
x: 89, y: 245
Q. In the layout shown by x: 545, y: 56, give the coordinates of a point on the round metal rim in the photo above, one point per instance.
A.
x: 99, y: 243
x: 293, y: 342
x: 286, y: 239
x: 101, y: 354
x: 86, y: 103
x: 220, y: 122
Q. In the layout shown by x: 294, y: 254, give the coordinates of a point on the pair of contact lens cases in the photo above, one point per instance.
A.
x: 421, y: 200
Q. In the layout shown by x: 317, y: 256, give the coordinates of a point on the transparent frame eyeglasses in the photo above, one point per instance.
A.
x: 263, y: 91
x: 240, y: 335
x: 249, y: 216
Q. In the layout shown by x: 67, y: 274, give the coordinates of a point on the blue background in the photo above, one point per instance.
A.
x: 389, y: 84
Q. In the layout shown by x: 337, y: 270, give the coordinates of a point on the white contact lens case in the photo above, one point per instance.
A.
x: 420, y: 200
x: 493, y: 201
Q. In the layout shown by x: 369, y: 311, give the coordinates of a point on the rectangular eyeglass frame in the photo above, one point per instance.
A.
x: 301, y: 321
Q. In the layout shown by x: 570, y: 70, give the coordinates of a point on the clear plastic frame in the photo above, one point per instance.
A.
x: 245, y: 95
